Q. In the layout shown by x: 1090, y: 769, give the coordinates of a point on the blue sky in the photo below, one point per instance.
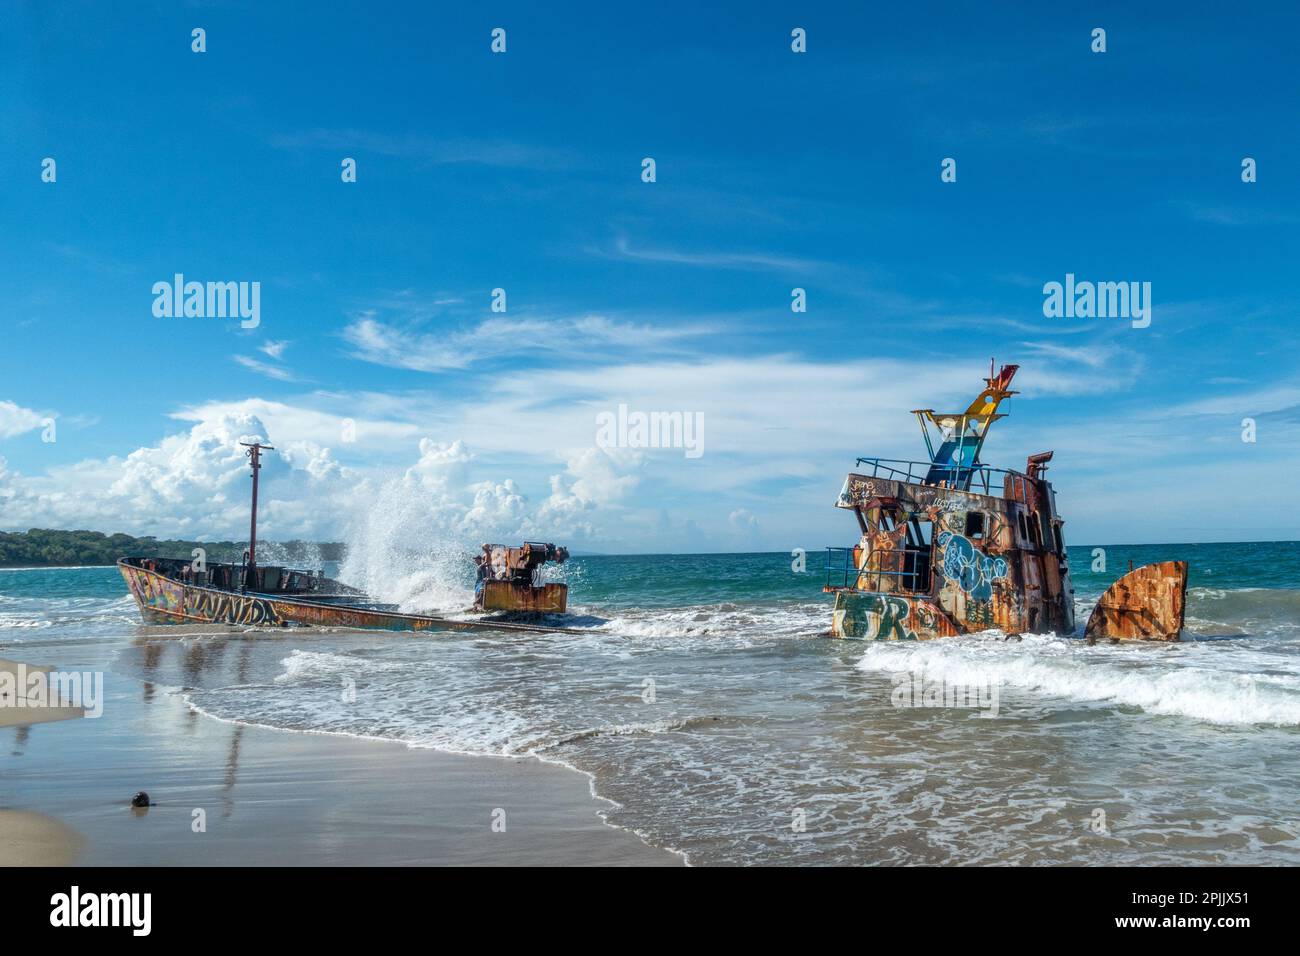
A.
x: 522, y: 171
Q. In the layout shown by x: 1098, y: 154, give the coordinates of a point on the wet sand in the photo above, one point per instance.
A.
x: 30, y: 839
x: 228, y: 794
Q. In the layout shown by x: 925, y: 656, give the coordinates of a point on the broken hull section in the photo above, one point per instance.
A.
x: 1147, y: 604
x: 525, y: 598
x: 165, y: 601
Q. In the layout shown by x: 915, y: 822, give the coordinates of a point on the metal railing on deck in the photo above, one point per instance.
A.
x: 841, y: 567
x: 977, y: 478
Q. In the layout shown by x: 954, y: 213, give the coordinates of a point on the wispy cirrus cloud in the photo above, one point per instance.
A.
x: 1240, y: 215
x: 434, y: 150
x: 400, y: 345
x: 622, y: 248
x: 274, y: 349
x: 277, y: 372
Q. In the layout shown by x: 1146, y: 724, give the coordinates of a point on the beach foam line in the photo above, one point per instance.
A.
x: 1053, y: 667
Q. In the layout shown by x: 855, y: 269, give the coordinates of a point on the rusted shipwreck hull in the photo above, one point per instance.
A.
x: 1146, y: 604
x: 508, y: 579
x: 174, y: 591
x: 280, y: 598
x: 950, y: 546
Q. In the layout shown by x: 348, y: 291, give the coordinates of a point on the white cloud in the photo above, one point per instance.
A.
x: 277, y: 372
x: 436, y: 150
x: 15, y: 420
x: 742, y: 519
x: 756, y: 261
x: 397, y: 346
x: 780, y: 433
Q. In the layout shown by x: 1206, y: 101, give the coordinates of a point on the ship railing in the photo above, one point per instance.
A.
x: 980, y: 479
x: 843, y: 573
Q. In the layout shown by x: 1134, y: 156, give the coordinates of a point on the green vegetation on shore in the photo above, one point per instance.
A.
x: 45, y: 547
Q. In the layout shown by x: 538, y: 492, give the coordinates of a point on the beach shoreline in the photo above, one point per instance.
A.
x: 228, y: 793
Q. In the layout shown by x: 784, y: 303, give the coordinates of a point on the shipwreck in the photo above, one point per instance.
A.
x: 248, y: 594
x: 951, y: 546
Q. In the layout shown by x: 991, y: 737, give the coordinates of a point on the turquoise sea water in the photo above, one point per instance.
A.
x: 702, y: 699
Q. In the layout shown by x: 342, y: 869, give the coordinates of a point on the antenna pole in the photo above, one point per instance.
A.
x: 254, y: 455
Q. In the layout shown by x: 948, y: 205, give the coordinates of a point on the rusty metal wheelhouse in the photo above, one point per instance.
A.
x: 949, y: 545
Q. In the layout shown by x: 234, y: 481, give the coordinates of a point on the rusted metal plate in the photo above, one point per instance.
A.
x: 510, y: 596
x: 1147, y: 604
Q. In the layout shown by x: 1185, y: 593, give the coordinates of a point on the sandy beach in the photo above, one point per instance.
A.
x: 229, y: 794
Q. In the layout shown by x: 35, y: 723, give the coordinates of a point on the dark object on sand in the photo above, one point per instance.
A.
x: 952, y: 546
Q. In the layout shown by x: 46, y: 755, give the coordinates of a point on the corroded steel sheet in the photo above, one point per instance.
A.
x: 511, y: 596
x: 1147, y: 604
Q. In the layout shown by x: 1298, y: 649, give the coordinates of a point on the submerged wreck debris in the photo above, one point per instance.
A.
x: 507, y: 579
x: 952, y: 546
x: 1147, y: 604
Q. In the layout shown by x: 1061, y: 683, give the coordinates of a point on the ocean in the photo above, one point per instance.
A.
x: 705, y: 707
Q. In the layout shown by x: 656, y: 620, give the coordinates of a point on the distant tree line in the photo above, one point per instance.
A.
x: 43, y: 547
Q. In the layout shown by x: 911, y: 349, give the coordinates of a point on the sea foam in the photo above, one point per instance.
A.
x: 1184, y: 681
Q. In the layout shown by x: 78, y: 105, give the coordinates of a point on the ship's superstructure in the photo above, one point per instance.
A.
x: 951, y: 546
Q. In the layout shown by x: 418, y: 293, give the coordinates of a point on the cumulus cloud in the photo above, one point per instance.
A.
x: 195, y: 483
x: 742, y: 519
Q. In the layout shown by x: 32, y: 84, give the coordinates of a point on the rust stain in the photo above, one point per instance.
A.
x: 509, y: 596
x: 1147, y: 604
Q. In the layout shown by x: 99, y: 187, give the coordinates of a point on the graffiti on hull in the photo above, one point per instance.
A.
x: 972, y: 570
x: 887, y: 617
x: 231, y: 608
x: 170, y: 599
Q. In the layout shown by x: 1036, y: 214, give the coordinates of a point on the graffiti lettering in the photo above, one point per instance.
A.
x: 973, y: 571
x: 230, y: 608
x: 159, y: 594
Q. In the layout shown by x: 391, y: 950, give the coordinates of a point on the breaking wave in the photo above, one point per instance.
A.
x: 398, y: 554
x: 1199, y: 681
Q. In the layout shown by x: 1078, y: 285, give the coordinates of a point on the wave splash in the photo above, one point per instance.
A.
x: 1201, y: 681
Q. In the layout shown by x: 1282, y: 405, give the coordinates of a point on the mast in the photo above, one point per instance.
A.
x: 254, y: 455
x: 960, y: 435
